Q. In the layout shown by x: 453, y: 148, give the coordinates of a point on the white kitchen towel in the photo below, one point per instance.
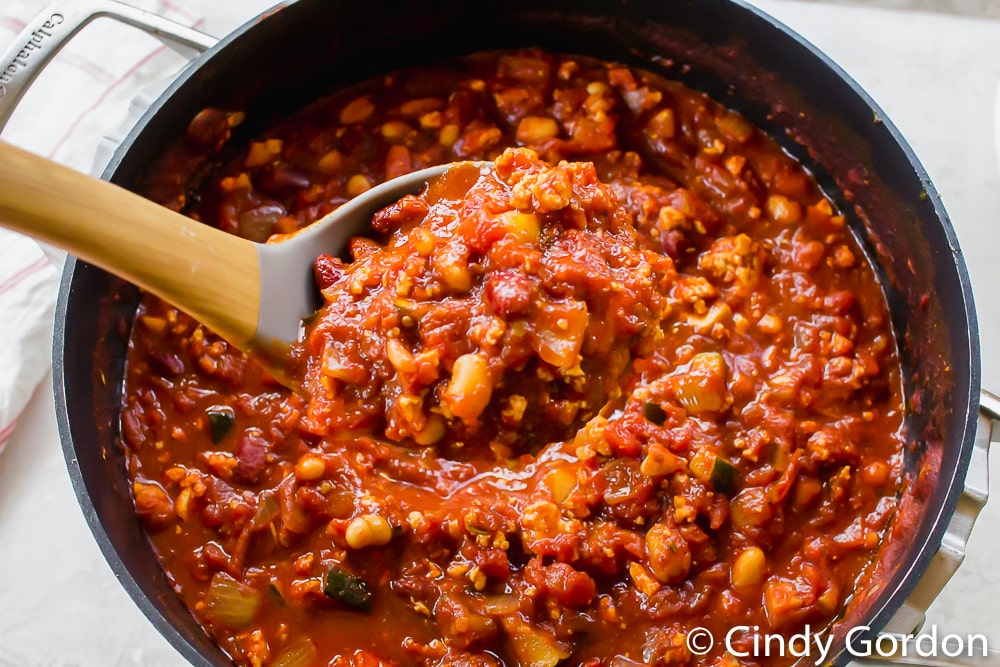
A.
x: 27, y: 296
x: 81, y: 97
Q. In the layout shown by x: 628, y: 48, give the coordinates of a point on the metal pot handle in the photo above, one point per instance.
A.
x: 910, y: 616
x: 48, y: 32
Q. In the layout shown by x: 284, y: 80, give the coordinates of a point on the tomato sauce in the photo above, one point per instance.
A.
x: 632, y: 378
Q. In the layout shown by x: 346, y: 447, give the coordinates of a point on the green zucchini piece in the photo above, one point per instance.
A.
x: 724, y: 476
x: 342, y: 586
x: 220, y: 420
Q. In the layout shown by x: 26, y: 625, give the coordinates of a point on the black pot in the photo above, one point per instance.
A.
x: 275, y: 64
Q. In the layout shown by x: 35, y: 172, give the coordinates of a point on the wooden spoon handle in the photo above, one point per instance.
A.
x: 211, y: 275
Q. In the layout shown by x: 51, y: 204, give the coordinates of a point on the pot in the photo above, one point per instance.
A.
x: 738, y: 55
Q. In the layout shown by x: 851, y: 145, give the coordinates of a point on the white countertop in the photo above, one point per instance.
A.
x: 935, y: 76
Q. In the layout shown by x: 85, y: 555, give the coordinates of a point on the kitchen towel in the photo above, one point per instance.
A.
x: 82, y: 96
x: 27, y: 296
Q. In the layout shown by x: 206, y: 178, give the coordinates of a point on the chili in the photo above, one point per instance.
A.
x: 635, y: 378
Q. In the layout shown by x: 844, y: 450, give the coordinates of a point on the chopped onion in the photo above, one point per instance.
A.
x: 299, y: 654
x: 258, y: 224
x: 267, y: 511
x: 735, y: 126
x: 536, y: 648
x: 230, y: 603
x: 501, y: 605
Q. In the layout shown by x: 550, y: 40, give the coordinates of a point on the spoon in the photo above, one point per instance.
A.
x: 252, y: 294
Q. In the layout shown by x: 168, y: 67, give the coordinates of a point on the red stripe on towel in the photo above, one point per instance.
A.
x: 104, y: 96
x: 183, y: 11
x: 16, y: 25
x: 89, y: 67
x: 34, y: 267
x: 7, y: 431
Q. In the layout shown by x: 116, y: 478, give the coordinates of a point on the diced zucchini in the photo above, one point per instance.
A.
x: 703, y: 387
x: 220, y: 420
x: 342, y: 586
x: 724, y: 476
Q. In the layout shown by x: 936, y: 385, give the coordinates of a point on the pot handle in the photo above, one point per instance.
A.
x: 989, y: 404
x: 48, y: 32
x: 910, y: 616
